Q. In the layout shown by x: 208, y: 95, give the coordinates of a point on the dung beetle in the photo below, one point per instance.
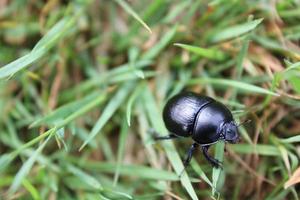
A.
x: 204, y: 119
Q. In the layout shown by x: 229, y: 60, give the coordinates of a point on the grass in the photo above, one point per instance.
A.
x: 83, y: 82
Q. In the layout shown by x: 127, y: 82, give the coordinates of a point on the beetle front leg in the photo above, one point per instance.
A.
x: 214, y: 162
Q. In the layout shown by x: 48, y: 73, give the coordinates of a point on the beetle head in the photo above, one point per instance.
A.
x: 231, y: 133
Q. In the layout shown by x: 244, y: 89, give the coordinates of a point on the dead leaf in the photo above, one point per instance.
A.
x: 295, y: 178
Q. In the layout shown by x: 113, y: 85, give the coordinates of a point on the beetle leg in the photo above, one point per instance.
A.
x: 214, y: 162
x: 189, y: 156
x: 155, y: 135
x: 167, y: 137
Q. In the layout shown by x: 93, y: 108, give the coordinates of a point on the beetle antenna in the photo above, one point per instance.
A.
x: 244, y: 122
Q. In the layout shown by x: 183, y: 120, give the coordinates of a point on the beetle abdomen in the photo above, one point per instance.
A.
x: 180, y: 112
x: 208, y: 122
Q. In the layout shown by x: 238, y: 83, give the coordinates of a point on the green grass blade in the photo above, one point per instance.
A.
x: 83, y: 176
x: 261, y: 149
x: 234, y: 31
x: 164, y: 41
x: 200, y: 172
x: 133, y: 55
x: 131, y: 100
x: 62, y: 112
x: 121, y: 150
x: 109, y: 110
x: 236, y: 84
x: 56, y: 32
x: 294, y: 66
x: 17, y: 65
x: 139, y: 171
x: 116, y: 194
x: 156, y: 121
x: 31, y: 189
x: 26, y: 167
x: 128, y: 9
x: 5, y: 160
x: 219, y: 155
x: 209, y: 53
x: 48, y: 41
x: 293, y: 139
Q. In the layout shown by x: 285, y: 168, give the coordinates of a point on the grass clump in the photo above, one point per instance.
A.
x: 83, y: 82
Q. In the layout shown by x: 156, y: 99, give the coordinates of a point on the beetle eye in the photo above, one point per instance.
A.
x: 230, y: 132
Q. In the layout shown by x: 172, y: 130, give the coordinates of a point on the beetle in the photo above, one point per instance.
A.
x: 203, y: 119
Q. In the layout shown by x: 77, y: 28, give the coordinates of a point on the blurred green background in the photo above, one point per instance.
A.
x: 83, y: 82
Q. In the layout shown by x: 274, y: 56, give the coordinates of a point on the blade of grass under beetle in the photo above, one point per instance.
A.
x: 200, y: 172
x: 109, y: 110
x: 237, y: 84
x: 172, y: 154
x: 128, y: 9
x: 234, y: 31
x: 27, y: 166
x: 210, y: 53
x: 219, y: 155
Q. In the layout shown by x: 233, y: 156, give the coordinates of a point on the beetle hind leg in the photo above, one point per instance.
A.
x: 189, y: 156
x: 156, y: 136
x: 167, y: 137
x: 214, y: 162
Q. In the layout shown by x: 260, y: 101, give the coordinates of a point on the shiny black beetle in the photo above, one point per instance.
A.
x: 202, y: 118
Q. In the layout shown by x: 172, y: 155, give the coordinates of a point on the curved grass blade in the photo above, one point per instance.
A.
x: 128, y: 9
x: 293, y: 139
x: 163, y: 42
x: 68, y: 109
x: 234, y: 31
x: 121, y: 148
x: 261, y: 149
x: 200, y: 172
x: 83, y: 176
x: 236, y: 84
x: 31, y: 189
x: 209, y: 53
x: 131, y: 100
x: 142, y: 172
x: 5, y: 160
x: 27, y: 166
x: 113, y: 194
x: 133, y: 54
x: 58, y: 31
